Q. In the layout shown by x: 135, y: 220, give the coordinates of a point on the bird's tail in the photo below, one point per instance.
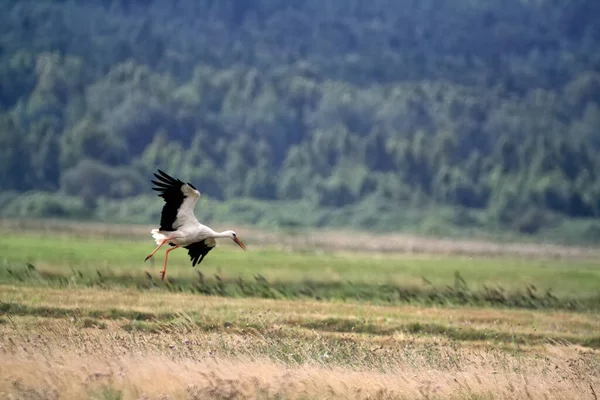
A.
x: 158, y: 237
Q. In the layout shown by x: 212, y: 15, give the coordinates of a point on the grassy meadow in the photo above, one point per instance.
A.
x: 82, y: 316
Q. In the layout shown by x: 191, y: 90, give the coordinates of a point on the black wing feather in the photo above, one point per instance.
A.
x: 169, y: 189
x: 197, y: 251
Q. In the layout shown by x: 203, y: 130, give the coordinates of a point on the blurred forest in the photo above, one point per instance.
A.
x: 381, y: 114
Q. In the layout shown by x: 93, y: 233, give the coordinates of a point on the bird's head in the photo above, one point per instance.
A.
x: 234, y: 237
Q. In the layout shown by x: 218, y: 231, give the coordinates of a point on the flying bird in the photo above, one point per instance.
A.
x: 178, y: 224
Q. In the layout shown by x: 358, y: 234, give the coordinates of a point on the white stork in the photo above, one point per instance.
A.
x: 178, y: 224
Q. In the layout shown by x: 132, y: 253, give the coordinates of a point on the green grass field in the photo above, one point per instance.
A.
x: 82, y: 316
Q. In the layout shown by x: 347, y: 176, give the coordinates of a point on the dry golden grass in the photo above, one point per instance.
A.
x: 240, y: 312
x: 260, y: 349
x: 326, y: 240
x: 73, y: 377
x: 57, y: 359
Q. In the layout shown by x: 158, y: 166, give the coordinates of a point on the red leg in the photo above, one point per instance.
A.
x: 159, y: 246
x: 164, y: 271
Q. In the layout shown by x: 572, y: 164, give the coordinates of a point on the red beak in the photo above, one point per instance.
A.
x: 239, y: 242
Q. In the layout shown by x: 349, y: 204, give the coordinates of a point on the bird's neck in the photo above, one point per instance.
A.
x: 224, y: 234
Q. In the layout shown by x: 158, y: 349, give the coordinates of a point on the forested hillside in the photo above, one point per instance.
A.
x: 330, y: 112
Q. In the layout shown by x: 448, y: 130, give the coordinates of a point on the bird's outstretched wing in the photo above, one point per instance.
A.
x: 197, y: 251
x: 180, y: 200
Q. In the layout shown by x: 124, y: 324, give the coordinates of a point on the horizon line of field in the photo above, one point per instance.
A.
x: 329, y: 239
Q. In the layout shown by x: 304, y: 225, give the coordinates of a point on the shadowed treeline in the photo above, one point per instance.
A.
x: 428, y: 116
